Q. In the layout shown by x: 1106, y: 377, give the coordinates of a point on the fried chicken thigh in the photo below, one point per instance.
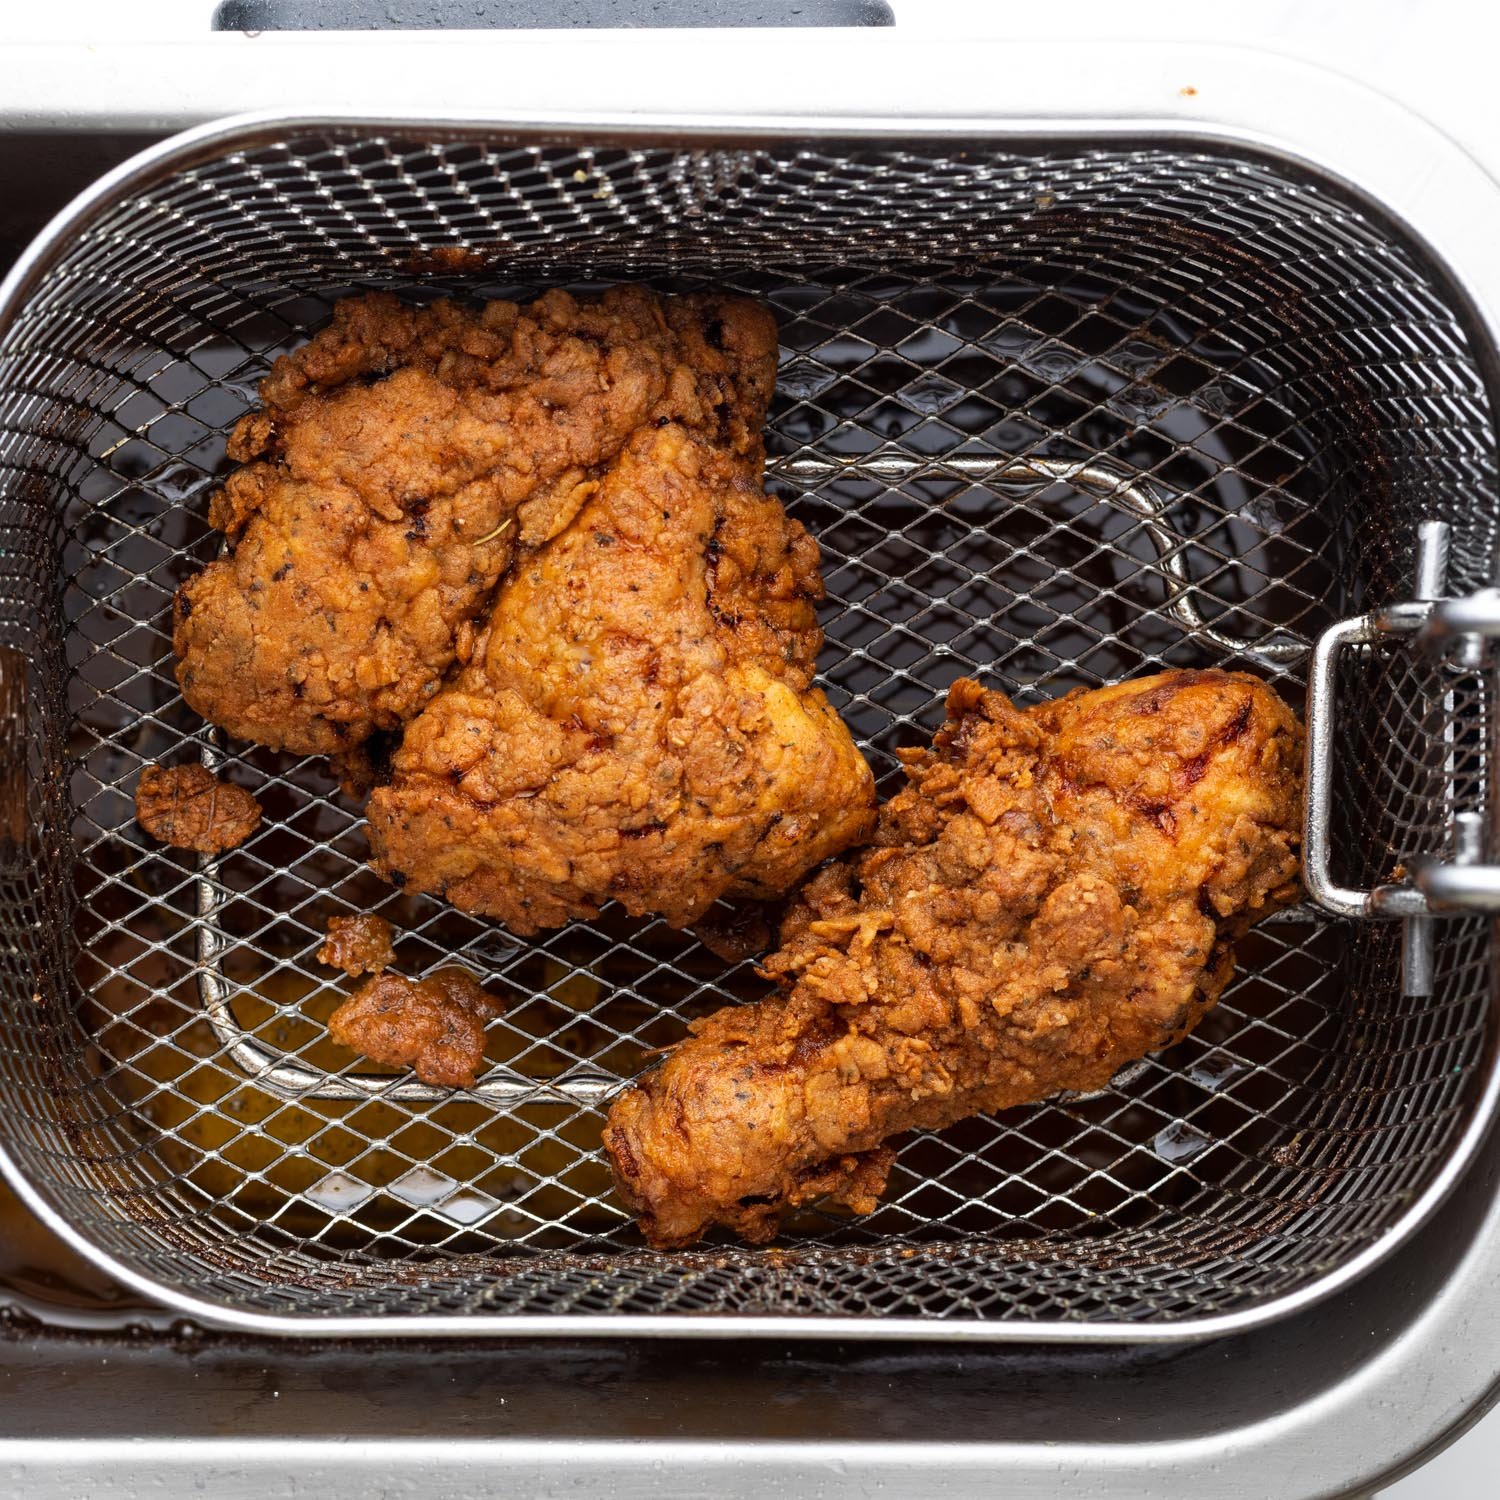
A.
x: 396, y: 462
x: 1054, y: 893
x: 637, y: 722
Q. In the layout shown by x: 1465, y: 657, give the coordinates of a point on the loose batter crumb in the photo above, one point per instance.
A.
x: 188, y: 807
x: 358, y: 945
x: 435, y: 1025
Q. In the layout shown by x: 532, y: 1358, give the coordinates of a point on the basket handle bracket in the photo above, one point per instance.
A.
x: 1465, y: 883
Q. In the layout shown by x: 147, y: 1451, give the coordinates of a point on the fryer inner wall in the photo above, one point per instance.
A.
x: 1056, y: 416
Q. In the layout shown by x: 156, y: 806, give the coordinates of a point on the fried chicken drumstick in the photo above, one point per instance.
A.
x: 395, y: 463
x: 638, y: 721
x: 1054, y: 893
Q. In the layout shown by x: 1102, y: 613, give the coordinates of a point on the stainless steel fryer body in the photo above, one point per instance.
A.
x: 806, y: 455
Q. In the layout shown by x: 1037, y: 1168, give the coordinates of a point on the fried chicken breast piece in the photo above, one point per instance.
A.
x: 188, y: 807
x: 394, y: 464
x: 638, y: 723
x: 1054, y: 893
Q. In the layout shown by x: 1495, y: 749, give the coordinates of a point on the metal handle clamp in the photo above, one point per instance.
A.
x: 1457, y: 627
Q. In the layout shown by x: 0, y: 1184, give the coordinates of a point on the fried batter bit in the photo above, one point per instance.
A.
x: 638, y: 722
x: 435, y: 1025
x: 188, y: 807
x: 1054, y: 893
x: 358, y: 944
x: 396, y: 461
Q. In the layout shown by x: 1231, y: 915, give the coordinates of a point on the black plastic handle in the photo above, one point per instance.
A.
x: 533, y: 15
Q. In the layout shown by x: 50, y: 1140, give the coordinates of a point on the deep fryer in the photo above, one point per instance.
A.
x: 1159, y: 531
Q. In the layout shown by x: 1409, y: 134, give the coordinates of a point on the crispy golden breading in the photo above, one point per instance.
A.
x: 1055, y: 893
x: 435, y: 1025
x: 395, y: 463
x: 638, y: 723
x: 359, y: 944
x: 190, y: 808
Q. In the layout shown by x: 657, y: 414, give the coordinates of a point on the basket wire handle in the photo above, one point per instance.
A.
x: 1138, y: 496
x: 1464, y: 884
x: 1145, y: 498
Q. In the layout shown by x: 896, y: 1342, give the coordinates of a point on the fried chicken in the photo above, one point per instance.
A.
x: 188, y: 807
x: 435, y: 1025
x: 394, y: 465
x: 638, y: 723
x: 1054, y: 893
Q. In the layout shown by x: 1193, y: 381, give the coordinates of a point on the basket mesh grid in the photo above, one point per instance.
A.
x: 1056, y: 418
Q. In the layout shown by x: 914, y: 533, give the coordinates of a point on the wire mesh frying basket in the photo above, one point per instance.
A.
x: 1057, y: 415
